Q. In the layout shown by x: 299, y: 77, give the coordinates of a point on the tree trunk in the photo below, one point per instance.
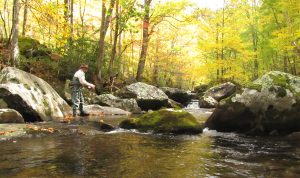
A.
x: 145, y: 40
x: 156, y: 61
x: 3, y: 19
x: 255, y: 40
x: 15, y: 30
x: 82, y: 14
x: 115, y: 40
x: 71, y: 22
x: 222, y: 39
x: 217, y: 50
x: 106, y: 16
x: 68, y: 15
x: 294, y: 65
x: 285, y: 62
x: 25, y: 17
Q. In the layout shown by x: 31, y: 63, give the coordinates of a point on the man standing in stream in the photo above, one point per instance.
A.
x: 78, y: 82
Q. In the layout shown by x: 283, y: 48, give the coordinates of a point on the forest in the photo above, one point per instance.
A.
x: 176, y: 43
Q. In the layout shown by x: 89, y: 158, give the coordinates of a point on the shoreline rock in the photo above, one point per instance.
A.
x: 31, y: 96
x: 271, y: 104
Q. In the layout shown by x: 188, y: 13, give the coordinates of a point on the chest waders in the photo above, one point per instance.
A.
x: 77, y: 96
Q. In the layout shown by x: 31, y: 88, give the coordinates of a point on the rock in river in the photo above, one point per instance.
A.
x: 147, y: 96
x: 10, y: 116
x: 164, y: 121
x: 97, y: 110
x: 178, y: 95
x: 213, y: 95
x: 31, y: 96
x: 270, y: 104
x: 113, y: 101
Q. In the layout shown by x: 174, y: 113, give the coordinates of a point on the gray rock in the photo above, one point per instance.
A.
x: 104, y: 110
x: 208, y: 102
x: 178, y: 95
x: 221, y: 91
x: 147, y: 96
x: 10, y: 116
x: 34, y: 98
x: 269, y: 105
x: 113, y: 101
x: 212, y: 96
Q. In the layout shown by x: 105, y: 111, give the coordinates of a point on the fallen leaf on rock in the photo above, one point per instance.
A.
x: 68, y: 118
x: 7, y: 132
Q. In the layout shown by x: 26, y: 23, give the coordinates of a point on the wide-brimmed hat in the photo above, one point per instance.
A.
x: 84, y: 66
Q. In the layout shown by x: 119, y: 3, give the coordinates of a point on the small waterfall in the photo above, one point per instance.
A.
x: 194, y: 104
x: 201, y: 114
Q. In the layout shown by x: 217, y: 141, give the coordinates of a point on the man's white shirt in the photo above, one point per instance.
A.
x: 81, y: 76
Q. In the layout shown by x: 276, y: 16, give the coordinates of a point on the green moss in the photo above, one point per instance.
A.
x: 280, y: 80
x: 14, y: 80
x: 26, y: 43
x: 164, y: 121
x: 254, y: 86
x: 297, y: 96
x: 47, y: 108
x: 27, y: 86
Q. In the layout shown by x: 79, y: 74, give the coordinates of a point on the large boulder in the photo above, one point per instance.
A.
x: 216, y: 94
x: 164, y: 121
x: 147, y: 96
x: 178, y: 95
x: 34, y: 98
x: 113, y: 101
x: 10, y: 116
x: 270, y: 104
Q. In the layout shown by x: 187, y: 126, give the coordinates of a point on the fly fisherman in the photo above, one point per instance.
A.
x: 78, y: 82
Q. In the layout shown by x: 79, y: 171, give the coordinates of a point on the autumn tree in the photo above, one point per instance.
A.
x: 106, y: 18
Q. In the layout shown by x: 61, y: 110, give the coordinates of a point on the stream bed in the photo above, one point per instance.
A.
x: 123, y: 153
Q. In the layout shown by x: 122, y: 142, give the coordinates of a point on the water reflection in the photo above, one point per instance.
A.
x: 128, y: 154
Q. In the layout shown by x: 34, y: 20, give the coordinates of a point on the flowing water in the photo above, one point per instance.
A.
x: 131, y: 154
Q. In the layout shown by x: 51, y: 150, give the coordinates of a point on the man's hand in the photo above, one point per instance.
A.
x: 91, y: 86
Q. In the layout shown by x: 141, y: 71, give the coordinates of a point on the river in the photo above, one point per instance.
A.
x: 124, y: 153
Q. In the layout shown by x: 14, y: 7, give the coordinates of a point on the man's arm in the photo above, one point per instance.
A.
x: 83, y: 82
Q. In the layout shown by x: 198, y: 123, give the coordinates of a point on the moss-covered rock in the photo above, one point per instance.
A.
x: 164, y: 121
x: 269, y: 105
x: 32, y: 48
